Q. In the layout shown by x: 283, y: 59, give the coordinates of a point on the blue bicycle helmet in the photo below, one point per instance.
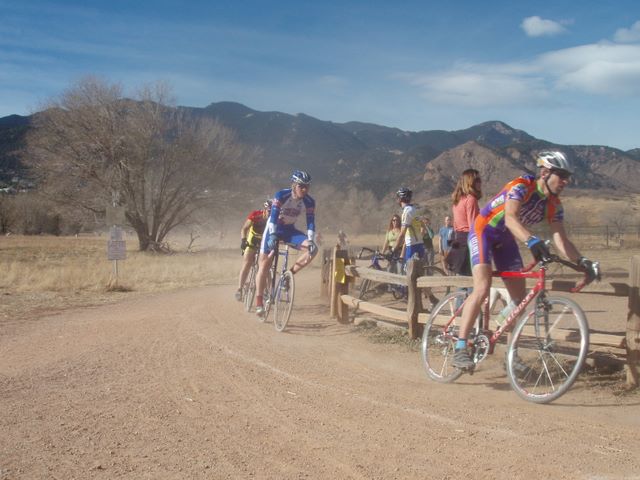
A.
x: 300, y: 177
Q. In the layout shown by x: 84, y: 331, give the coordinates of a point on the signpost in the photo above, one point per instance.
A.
x: 116, y: 245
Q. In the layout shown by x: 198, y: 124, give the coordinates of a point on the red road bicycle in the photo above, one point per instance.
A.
x: 548, y: 347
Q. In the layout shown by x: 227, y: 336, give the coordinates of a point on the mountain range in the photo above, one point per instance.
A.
x: 380, y: 158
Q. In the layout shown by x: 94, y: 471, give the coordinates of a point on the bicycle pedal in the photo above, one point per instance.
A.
x: 468, y: 370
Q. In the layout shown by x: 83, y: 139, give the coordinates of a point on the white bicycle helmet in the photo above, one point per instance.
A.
x: 554, y: 160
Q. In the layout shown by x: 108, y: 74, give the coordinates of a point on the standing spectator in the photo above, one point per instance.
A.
x: 427, y: 239
x: 465, y: 209
x: 342, y: 240
x: 391, y: 237
x: 445, y: 235
x: 390, y: 240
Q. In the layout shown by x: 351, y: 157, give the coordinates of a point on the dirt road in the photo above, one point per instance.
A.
x: 187, y: 385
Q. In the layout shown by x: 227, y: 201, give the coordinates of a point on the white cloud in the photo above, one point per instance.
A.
x: 628, y: 35
x: 603, y: 69
x: 539, y: 27
x: 482, y: 86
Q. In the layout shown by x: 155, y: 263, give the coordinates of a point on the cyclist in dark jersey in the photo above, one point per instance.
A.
x: 250, y: 238
x: 502, y: 222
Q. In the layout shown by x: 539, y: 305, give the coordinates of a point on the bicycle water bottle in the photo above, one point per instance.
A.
x: 506, y: 311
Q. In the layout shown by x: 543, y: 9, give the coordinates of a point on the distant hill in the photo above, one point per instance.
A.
x: 12, y: 133
x: 380, y: 158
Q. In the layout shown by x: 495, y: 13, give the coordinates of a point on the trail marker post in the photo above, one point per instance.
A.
x: 116, y: 244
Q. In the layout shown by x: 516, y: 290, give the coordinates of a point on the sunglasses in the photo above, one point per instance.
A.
x: 562, y: 174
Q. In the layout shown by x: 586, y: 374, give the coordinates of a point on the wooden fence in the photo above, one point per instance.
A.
x: 339, y: 271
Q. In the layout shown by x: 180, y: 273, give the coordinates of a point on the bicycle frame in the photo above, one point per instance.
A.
x: 397, y: 290
x: 538, y: 289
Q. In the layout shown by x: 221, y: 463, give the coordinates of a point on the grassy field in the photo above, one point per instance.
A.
x: 41, y: 273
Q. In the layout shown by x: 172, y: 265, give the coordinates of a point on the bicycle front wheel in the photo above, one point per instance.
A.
x: 249, y: 288
x: 283, y: 301
x: 548, y: 349
x: 268, y: 294
x: 437, y: 344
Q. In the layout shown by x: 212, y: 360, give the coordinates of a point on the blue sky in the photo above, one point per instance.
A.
x: 564, y: 71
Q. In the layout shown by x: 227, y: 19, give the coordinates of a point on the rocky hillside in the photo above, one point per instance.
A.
x: 595, y: 167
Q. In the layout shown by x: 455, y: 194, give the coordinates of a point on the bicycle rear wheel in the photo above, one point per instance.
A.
x: 399, y: 292
x: 283, y: 301
x: 548, y: 349
x: 369, y: 288
x: 434, y: 294
x: 364, y: 288
x: 249, y: 288
x: 438, y: 345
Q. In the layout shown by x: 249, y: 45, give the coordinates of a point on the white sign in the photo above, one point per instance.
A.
x: 116, y: 250
x: 116, y: 246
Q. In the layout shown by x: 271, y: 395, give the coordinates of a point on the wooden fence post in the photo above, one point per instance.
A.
x: 332, y: 283
x: 325, y: 272
x: 633, y: 325
x: 414, y: 300
x: 340, y: 285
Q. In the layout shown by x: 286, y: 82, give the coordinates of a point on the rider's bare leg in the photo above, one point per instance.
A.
x: 248, y: 258
x: 481, y: 286
x: 264, y: 263
x: 304, y: 259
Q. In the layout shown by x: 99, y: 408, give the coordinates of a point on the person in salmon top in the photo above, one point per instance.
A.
x: 465, y: 209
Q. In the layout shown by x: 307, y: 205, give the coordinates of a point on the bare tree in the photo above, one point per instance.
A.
x: 7, y: 213
x: 93, y: 148
x: 355, y: 211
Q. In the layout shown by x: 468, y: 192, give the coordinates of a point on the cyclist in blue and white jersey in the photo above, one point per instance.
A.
x: 288, y: 204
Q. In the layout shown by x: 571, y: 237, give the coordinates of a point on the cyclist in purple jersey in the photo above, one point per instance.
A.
x: 288, y: 204
x: 504, y: 220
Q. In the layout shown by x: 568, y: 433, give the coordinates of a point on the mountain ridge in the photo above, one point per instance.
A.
x: 379, y: 158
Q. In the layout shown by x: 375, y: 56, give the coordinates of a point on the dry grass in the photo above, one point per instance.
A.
x: 49, y: 273
x: 54, y: 272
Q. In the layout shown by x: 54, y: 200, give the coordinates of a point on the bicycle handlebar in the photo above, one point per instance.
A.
x: 574, y: 266
x: 377, y: 254
x: 366, y: 249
